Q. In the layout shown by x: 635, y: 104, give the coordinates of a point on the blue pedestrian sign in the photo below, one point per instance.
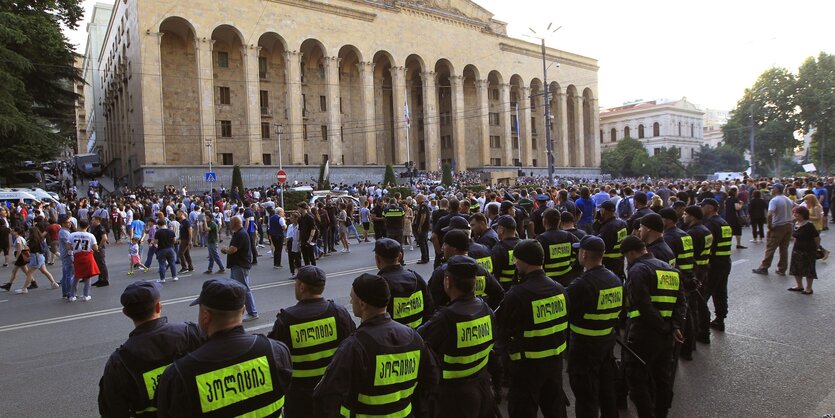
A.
x: 211, y: 177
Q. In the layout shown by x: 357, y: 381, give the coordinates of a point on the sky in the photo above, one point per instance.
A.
x: 708, y: 51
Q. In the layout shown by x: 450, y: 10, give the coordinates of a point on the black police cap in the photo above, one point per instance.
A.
x: 222, y: 295
x: 387, y: 248
x: 462, y: 266
x: 139, y: 296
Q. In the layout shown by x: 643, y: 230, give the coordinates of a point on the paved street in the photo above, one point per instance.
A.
x: 777, y: 358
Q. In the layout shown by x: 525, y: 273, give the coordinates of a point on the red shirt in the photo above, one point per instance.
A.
x: 53, y: 230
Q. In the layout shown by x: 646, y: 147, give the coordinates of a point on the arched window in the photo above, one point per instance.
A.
x: 640, y: 131
x: 692, y: 130
x: 679, y: 129
x: 601, y: 136
x: 626, y: 132
x: 656, y: 129
x: 613, y: 135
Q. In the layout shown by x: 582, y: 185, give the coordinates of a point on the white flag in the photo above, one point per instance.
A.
x: 327, y: 173
x: 406, y: 110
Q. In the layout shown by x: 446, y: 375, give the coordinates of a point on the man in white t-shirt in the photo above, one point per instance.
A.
x: 779, y: 233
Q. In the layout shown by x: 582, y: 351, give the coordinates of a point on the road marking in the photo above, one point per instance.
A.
x: 258, y: 327
x: 740, y: 261
x: 87, y: 315
x: 5, y: 300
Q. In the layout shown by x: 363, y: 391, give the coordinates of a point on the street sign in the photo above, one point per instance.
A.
x: 211, y: 177
x: 281, y: 176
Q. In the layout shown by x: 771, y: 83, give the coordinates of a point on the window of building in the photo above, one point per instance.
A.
x: 495, y: 161
x: 325, y: 158
x: 265, y: 102
x: 265, y: 130
x: 535, y: 163
x: 692, y: 130
x: 516, y: 162
x: 340, y: 105
x: 322, y: 71
x: 656, y: 129
x: 533, y: 103
x: 324, y: 132
x: 267, y: 159
x: 515, y: 142
x: 641, y: 131
x: 533, y: 144
x: 533, y: 125
x: 224, y: 95
x: 446, y: 141
x: 601, y: 136
x: 626, y: 132
x: 226, y: 159
x: 226, y: 128
x: 222, y: 59
x: 513, y: 127
x: 304, y: 133
x: 495, y: 142
x: 262, y: 67
x: 342, y: 135
x: 656, y: 151
x: 306, y: 161
x: 494, y: 119
x: 613, y: 135
x: 495, y: 94
x: 323, y: 103
x: 679, y: 129
x: 304, y: 102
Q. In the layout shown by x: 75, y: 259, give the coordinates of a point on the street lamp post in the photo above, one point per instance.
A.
x: 280, y: 167
x: 751, y: 140
x: 209, y: 146
x: 548, y: 145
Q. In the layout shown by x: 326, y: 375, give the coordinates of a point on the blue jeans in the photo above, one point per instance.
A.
x: 67, y: 275
x: 241, y: 275
x: 166, y: 259
x: 353, y: 228
x: 152, y: 251
x: 177, y: 253
x: 214, y: 256
x: 74, y: 288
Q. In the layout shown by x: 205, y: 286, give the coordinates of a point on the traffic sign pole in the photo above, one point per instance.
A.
x: 281, y: 178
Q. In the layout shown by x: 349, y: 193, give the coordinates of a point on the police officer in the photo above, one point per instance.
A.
x: 702, y: 245
x: 455, y: 244
x: 651, y: 232
x: 678, y: 207
x: 482, y: 233
x: 531, y: 324
x: 477, y: 251
x: 395, y: 219
x: 461, y: 337
x: 612, y: 231
x: 312, y: 330
x: 567, y: 224
x: 536, y: 216
x: 682, y: 245
x: 720, y: 262
x: 128, y: 386
x: 526, y: 205
x: 641, y: 210
x: 596, y: 300
x: 383, y: 369
x: 411, y: 303
x: 503, y: 264
x: 233, y: 373
x: 656, y: 306
x: 560, y: 262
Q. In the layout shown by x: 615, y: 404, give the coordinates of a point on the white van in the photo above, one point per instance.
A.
x: 17, y: 197
x: 41, y: 194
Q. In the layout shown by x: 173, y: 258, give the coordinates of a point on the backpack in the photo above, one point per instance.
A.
x: 624, y: 208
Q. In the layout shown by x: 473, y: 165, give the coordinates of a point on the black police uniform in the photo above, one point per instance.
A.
x: 410, y: 303
x: 312, y: 330
x: 232, y: 374
x: 536, y: 219
x: 702, y: 247
x: 560, y: 257
x: 503, y: 262
x: 640, y: 213
x: 682, y: 245
x: 719, y: 266
x: 579, y: 233
x: 383, y: 369
x: 378, y: 211
x: 656, y: 308
x: 532, y: 322
x: 596, y: 301
x: 612, y: 232
x: 461, y: 336
x: 128, y: 386
x: 438, y: 230
x: 481, y: 254
x: 489, y: 238
x: 660, y: 250
x: 486, y: 287
x: 395, y: 218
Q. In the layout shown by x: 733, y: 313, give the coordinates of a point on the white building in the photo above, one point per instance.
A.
x: 714, y: 120
x: 94, y: 131
x: 656, y: 125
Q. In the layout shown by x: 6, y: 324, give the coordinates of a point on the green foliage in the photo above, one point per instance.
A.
x: 324, y: 182
x: 628, y: 159
x: 37, y: 102
x: 816, y: 98
x: 237, y: 180
x: 293, y: 197
x: 389, y: 179
x: 446, y: 179
x: 404, y: 191
x: 722, y: 158
x: 772, y: 99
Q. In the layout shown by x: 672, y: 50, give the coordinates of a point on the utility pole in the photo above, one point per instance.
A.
x: 548, y: 145
x: 209, y: 146
x: 518, y: 136
x: 751, y: 140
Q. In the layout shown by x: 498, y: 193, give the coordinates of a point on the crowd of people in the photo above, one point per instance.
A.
x: 527, y: 279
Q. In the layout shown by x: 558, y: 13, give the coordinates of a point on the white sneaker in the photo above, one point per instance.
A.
x: 175, y: 278
x: 54, y: 286
x: 249, y: 317
x: 86, y: 298
x: 22, y: 291
x: 344, y: 250
x: 72, y: 299
x: 160, y: 280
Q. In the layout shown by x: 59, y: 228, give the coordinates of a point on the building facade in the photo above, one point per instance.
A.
x: 656, y: 126
x: 94, y: 138
x: 353, y: 82
x: 714, y: 120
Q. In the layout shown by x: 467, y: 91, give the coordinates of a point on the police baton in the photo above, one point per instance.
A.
x: 632, y: 352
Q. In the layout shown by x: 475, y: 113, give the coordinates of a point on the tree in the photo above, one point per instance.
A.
x: 237, y: 180
x: 446, y: 178
x: 816, y: 99
x: 667, y: 163
x: 722, y: 158
x: 389, y: 179
x: 628, y: 159
x: 772, y: 101
x: 37, y: 102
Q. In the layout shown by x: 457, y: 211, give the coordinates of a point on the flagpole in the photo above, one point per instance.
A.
x: 518, y: 135
x: 406, y: 117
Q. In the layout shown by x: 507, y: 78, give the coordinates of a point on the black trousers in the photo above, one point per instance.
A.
x: 99, y: 255
x: 757, y: 230
x: 700, y: 301
x: 307, y: 254
x: 465, y: 399
x: 592, y: 374
x: 278, y: 245
x: 536, y: 385
x: 299, y: 403
x: 379, y: 230
x: 717, y: 286
x: 252, y: 247
x: 294, y: 259
x: 650, y: 384
x: 422, y: 239
x: 185, y: 256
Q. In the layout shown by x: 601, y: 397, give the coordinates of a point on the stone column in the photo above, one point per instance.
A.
x: 525, y: 134
x: 366, y: 71
x: 482, y: 87
x: 431, y: 119
x: 504, y: 121
x: 334, y: 114
x: 154, y: 120
x: 595, y: 131
x: 561, y: 140
x: 253, y: 102
x: 459, y: 119
x: 294, y: 106
x: 579, y: 140
x: 205, y: 87
x: 398, y: 96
